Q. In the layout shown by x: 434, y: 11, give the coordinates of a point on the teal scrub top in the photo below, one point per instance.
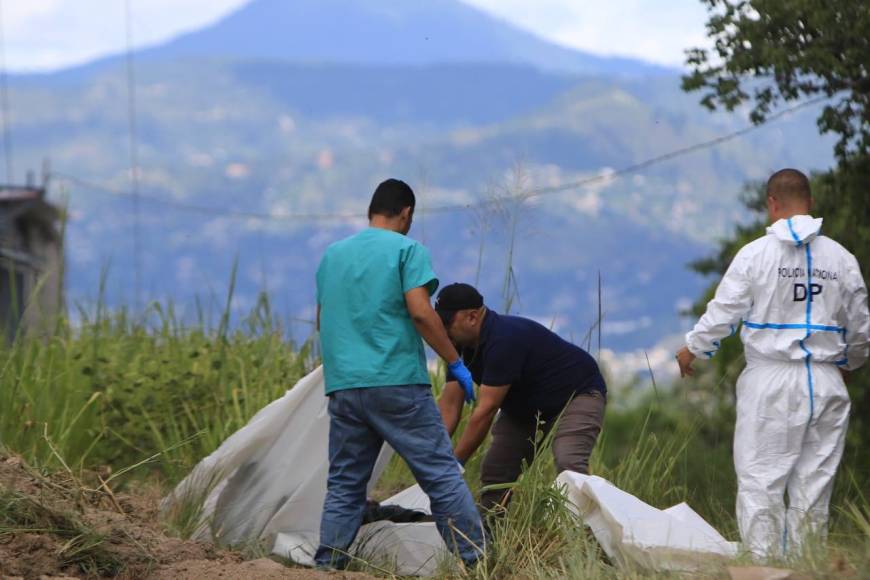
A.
x: 367, y: 337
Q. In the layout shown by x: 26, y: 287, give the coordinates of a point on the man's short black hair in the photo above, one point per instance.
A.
x: 789, y: 186
x: 391, y: 197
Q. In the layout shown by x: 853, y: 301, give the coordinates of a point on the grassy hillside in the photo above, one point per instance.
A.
x: 140, y: 401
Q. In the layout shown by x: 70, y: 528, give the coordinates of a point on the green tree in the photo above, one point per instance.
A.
x: 839, y: 200
x: 842, y: 200
x: 767, y: 51
x: 770, y: 51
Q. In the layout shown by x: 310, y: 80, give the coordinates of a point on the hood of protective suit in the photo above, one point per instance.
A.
x: 798, y: 230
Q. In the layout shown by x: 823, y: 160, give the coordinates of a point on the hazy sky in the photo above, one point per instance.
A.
x: 47, y: 34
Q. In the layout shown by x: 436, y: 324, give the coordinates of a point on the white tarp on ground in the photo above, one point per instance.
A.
x: 268, y: 480
x: 636, y: 535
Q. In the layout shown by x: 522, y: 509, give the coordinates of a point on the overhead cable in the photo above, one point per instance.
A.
x: 496, y: 200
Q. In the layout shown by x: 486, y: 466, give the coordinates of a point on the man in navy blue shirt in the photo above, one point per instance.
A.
x: 530, y: 374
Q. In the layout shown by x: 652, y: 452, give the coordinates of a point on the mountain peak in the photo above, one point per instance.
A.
x: 383, y: 32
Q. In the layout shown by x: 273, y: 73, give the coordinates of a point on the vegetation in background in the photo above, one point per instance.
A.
x: 768, y: 51
x: 771, y: 51
x: 116, y: 389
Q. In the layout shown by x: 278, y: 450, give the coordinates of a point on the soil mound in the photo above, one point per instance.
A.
x: 58, y: 525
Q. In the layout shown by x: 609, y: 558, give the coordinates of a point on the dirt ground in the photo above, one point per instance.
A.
x: 57, y: 526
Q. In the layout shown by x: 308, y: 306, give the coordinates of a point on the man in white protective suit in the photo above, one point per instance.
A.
x: 803, y: 303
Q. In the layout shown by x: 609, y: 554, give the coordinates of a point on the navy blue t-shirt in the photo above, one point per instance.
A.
x: 543, y: 370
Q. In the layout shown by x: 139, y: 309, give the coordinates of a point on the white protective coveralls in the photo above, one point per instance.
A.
x: 803, y: 303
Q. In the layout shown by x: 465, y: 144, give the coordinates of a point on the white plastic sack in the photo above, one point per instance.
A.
x: 268, y: 480
x: 411, y: 549
x: 635, y: 534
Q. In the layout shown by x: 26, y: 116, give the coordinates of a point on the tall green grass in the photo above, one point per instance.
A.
x: 664, y: 451
x: 115, y: 390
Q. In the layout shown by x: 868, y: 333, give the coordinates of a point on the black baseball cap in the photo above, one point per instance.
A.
x: 455, y: 297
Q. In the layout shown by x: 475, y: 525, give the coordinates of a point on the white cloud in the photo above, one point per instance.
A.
x: 20, y: 13
x: 619, y: 327
x: 628, y: 367
x: 654, y: 30
x: 51, y: 34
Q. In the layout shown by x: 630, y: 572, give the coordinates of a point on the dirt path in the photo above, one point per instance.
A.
x: 57, y: 526
x: 262, y: 569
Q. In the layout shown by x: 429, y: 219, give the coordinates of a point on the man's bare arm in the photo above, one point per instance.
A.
x: 450, y: 405
x: 489, y: 402
x: 428, y: 324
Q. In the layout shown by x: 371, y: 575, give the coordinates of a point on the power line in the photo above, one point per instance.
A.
x: 4, y: 102
x: 134, y: 152
x: 519, y: 197
x: 634, y: 168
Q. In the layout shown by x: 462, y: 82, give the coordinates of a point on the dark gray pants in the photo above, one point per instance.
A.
x: 513, y: 441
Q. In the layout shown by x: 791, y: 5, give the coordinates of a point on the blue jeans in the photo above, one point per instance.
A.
x: 407, y: 418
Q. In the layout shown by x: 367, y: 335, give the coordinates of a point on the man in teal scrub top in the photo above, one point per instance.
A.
x: 373, y: 292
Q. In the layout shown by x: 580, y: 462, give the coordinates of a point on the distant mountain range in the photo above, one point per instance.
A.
x: 302, y: 107
x: 382, y: 32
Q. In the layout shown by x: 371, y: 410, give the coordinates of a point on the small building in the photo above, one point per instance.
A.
x: 31, y: 261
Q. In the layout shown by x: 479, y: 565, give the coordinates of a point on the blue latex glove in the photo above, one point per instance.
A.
x: 461, y: 373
